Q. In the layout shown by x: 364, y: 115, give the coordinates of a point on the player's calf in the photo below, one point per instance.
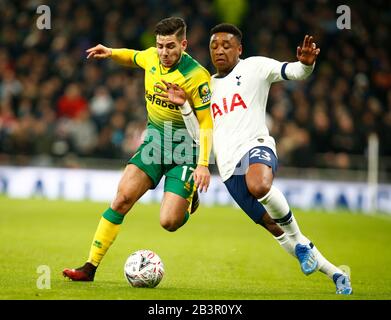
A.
x: 270, y: 225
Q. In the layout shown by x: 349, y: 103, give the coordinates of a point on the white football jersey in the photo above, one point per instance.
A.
x: 238, y: 108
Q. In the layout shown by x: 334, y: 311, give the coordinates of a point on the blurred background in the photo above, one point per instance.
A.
x: 59, y: 110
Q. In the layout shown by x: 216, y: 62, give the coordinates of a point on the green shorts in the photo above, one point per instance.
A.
x: 179, y: 176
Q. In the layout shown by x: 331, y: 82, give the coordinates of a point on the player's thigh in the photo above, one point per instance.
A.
x: 133, y: 184
x: 179, y: 189
x: 260, y: 174
x: 152, y: 167
x: 173, y: 209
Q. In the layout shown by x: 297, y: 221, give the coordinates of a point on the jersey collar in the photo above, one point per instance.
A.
x: 220, y: 77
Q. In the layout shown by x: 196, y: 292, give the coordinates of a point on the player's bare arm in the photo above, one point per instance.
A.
x: 171, y: 92
x: 202, y: 177
x: 120, y: 55
x: 308, y: 52
x: 99, y: 52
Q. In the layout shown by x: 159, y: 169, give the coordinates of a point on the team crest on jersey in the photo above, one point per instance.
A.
x: 187, y: 186
x: 204, y: 92
x: 238, y: 82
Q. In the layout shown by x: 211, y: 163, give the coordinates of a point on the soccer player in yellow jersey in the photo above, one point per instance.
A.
x: 168, y: 148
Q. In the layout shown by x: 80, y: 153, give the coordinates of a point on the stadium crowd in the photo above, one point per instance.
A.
x: 54, y: 103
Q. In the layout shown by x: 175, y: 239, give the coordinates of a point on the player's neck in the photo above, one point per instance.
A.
x: 164, y: 68
x: 224, y: 73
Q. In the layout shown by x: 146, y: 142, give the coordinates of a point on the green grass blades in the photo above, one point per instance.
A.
x: 219, y: 254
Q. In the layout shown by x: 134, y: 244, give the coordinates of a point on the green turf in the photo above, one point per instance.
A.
x: 219, y: 254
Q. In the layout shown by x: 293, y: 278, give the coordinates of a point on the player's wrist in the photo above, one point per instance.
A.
x: 307, y: 66
x: 186, y: 108
x: 203, y: 164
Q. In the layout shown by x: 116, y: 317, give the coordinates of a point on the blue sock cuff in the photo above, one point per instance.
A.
x: 284, y: 219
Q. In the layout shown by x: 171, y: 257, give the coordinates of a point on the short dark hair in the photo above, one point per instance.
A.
x: 228, y: 28
x: 172, y: 25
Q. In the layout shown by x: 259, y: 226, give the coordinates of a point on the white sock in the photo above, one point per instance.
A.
x: 286, y: 243
x: 277, y: 207
x: 326, y: 266
x: 191, y: 121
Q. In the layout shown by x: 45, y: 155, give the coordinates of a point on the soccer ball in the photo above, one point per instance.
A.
x: 144, y: 268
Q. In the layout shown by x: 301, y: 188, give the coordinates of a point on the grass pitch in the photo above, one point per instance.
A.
x: 219, y: 254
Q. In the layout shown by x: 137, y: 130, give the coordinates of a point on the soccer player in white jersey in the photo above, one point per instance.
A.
x: 245, y: 152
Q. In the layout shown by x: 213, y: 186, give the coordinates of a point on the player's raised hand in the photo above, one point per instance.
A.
x: 98, y: 52
x: 171, y: 93
x: 308, y: 53
x: 202, y: 178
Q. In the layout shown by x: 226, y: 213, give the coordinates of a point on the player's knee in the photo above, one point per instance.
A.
x: 122, y: 203
x: 169, y: 224
x: 259, y: 189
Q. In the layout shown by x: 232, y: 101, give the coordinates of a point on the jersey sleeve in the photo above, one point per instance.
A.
x: 206, y: 135
x: 274, y: 70
x: 267, y: 68
x: 130, y: 57
x: 141, y: 58
x: 199, y: 95
x: 199, y: 92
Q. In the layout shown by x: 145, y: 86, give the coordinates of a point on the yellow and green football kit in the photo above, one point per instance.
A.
x: 168, y: 148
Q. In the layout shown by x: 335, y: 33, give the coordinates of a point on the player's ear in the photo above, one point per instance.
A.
x: 240, y: 49
x: 184, y: 44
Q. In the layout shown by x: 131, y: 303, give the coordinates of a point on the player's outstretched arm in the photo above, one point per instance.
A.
x: 99, y: 52
x: 299, y: 70
x: 308, y: 52
x: 121, y: 56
